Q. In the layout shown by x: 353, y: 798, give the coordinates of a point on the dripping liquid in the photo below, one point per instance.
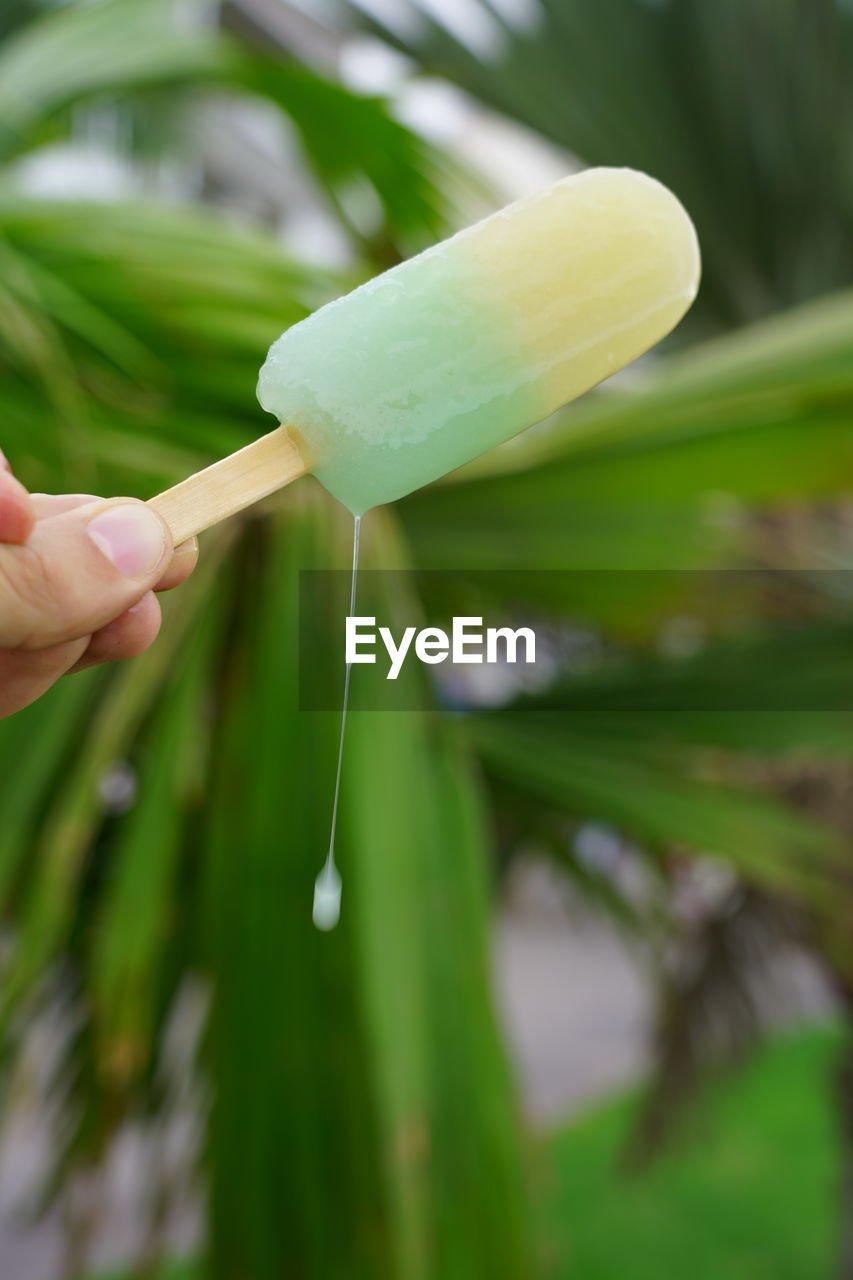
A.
x: 327, y: 887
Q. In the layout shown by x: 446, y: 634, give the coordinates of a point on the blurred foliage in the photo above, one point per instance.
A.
x: 716, y: 1206
x: 361, y: 1121
x: 668, y: 479
x: 132, y: 54
x: 743, y: 107
x: 733, y: 1201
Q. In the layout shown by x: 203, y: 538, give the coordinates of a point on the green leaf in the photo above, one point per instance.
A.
x: 135, y: 920
x: 84, y: 49
x: 643, y: 785
x: 51, y: 726
x: 65, y: 841
x: 704, y: 98
x: 349, y: 138
x: 387, y: 1041
x: 662, y: 477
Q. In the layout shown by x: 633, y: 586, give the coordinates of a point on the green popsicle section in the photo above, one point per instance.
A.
x: 462, y: 347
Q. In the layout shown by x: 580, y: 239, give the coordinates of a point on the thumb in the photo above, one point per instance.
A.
x: 78, y: 571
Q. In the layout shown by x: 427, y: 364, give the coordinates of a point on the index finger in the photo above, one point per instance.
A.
x: 16, y: 512
x: 46, y: 505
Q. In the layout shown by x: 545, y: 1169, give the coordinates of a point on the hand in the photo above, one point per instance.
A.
x: 77, y: 582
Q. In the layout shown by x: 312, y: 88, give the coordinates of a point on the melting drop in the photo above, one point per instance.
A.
x: 327, y: 898
x: 327, y: 886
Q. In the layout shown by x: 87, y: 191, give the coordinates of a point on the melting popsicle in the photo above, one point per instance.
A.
x: 456, y: 350
x: 451, y: 353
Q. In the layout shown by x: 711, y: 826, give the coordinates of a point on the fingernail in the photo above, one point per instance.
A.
x: 131, y: 536
x: 191, y: 544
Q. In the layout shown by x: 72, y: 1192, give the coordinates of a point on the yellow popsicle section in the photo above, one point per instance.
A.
x: 456, y: 350
x: 590, y: 274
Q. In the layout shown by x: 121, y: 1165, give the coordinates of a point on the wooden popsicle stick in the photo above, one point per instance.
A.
x: 230, y: 485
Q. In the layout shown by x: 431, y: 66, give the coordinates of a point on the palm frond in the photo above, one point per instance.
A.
x: 666, y: 476
x: 363, y: 1072
x: 121, y: 52
x: 412, y: 1022
x: 82, y: 50
x: 652, y: 791
x: 727, y: 104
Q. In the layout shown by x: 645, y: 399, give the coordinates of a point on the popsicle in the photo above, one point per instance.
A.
x: 458, y: 349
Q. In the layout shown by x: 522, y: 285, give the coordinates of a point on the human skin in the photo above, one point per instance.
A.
x: 78, y: 577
